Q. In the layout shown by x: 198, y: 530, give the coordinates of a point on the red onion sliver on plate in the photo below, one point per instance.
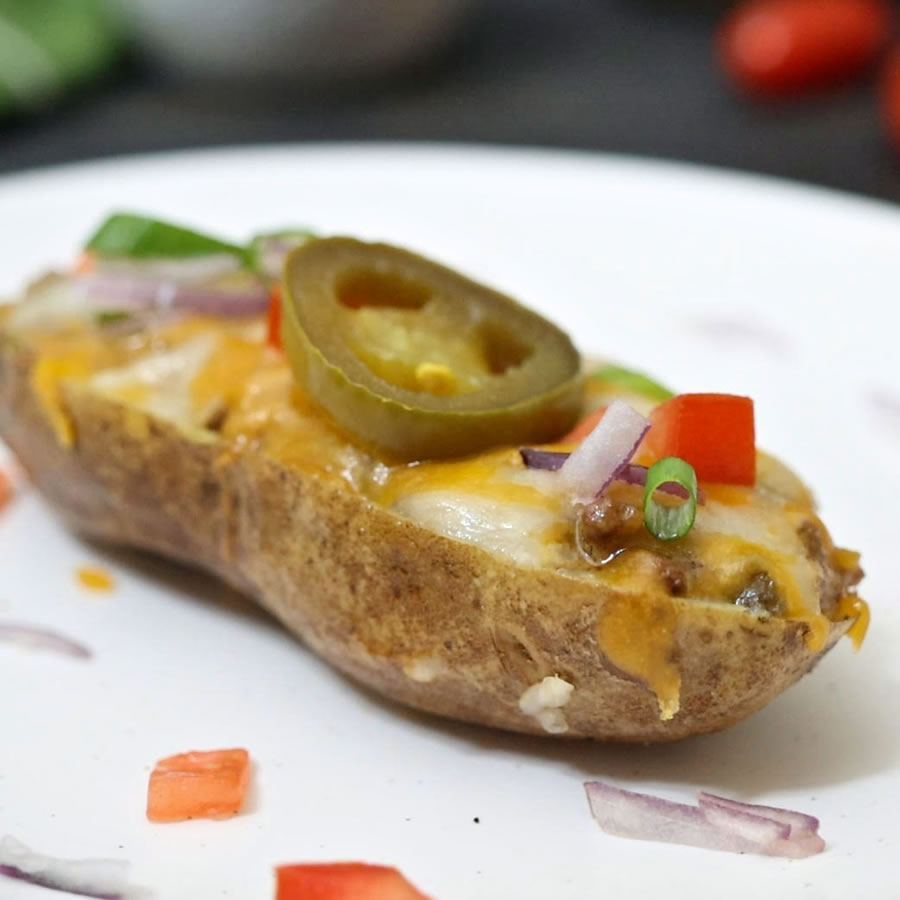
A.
x: 800, y: 823
x: 104, y: 879
x: 799, y: 847
x: 604, y: 452
x: 759, y: 830
x: 38, y: 638
x: 712, y: 827
x: 131, y: 293
x: 644, y: 817
x: 754, y: 828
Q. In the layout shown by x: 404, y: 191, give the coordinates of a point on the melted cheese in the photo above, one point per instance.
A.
x: 512, y: 530
x: 271, y: 414
x: 64, y: 358
x: 160, y: 383
x: 637, y: 635
x: 46, y: 379
x: 851, y: 606
x: 491, y: 501
x: 729, y: 495
x: 492, y: 476
x: 734, y: 544
x: 219, y: 382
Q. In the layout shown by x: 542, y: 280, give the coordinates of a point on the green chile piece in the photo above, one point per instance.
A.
x: 528, y: 387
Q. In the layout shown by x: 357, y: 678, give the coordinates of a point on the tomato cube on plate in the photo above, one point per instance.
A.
x: 198, y: 785
x: 343, y: 881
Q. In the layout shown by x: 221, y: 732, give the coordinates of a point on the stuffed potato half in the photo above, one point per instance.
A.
x: 455, y: 586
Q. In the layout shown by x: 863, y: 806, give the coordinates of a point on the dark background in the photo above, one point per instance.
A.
x: 611, y: 75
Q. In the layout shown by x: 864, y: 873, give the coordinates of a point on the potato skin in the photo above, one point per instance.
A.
x: 434, y: 623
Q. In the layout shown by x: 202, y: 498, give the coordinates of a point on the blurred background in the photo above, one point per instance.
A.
x: 796, y: 88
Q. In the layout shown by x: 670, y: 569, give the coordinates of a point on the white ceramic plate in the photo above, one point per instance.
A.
x: 709, y: 280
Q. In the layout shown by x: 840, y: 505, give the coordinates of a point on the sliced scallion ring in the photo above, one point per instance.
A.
x: 669, y: 522
x: 636, y: 382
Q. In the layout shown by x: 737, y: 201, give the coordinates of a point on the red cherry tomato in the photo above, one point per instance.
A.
x: 784, y: 47
x: 890, y: 96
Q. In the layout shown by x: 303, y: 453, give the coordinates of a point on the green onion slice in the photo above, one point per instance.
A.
x: 138, y: 237
x: 633, y: 381
x: 665, y: 521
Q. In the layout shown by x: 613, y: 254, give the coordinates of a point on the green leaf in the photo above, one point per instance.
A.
x: 139, y: 237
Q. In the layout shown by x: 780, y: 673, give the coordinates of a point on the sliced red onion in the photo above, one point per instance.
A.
x: 191, y: 269
x: 712, y: 826
x: 753, y: 828
x: 799, y: 847
x: 759, y: 828
x: 42, y: 639
x: 604, y: 452
x: 644, y: 817
x: 104, y: 879
x: 131, y: 293
x: 550, y: 460
x: 800, y: 824
x: 632, y: 473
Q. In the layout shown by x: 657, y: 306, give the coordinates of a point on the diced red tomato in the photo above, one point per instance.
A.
x: 715, y: 433
x: 343, y: 881
x: 198, y: 785
x: 784, y: 47
x: 274, y: 329
x: 890, y: 96
x: 583, y: 428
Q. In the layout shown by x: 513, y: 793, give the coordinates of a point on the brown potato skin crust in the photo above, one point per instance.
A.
x: 370, y: 592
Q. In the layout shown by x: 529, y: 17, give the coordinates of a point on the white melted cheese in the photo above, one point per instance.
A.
x: 773, y: 536
x: 160, y: 384
x: 513, y: 530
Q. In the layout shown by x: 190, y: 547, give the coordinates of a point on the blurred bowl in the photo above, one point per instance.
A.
x: 289, y: 38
